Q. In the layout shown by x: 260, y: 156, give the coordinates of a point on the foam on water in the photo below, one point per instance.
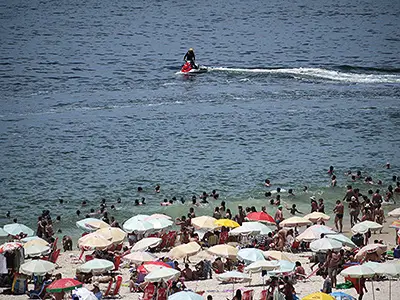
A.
x: 317, y: 73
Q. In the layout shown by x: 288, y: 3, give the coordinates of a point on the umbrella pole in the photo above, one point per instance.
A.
x: 390, y: 289
x: 373, y: 291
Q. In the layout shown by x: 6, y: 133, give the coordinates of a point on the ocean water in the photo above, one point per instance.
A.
x: 91, y: 106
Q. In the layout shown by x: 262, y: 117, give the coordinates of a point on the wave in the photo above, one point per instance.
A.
x: 321, y: 73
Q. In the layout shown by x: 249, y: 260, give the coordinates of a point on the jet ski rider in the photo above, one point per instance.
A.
x: 189, y: 56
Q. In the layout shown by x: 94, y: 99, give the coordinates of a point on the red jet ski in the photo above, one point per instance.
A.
x: 187, y: 68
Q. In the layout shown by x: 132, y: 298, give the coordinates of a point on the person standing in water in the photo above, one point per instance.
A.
x: 339, y: 211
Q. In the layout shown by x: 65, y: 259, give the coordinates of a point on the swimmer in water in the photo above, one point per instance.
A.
x: 305, y: 189
x: 293, y: 210
x: 333, y: 181
x: 268, y: 194
x: 83, y: 203
x: 157, y: 188
x: 8, y: 214
x: 290, y: 193
x: 119, y: 200
x: 358, y: 175
x: 331, y: 170
x: 182, y: 200
x: 143, y: 201
x: 140, y: 189
x: 165, y: 203
x: 267, y: 183
x: 214, y: 194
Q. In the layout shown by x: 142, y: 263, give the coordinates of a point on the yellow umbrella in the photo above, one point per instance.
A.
x: 224, y: 250
x: 114, y: 234
x: 295, y: 222
x: 94, y: 241
x: 226, y: 223
x: 318, y: 296
x: 184, y: 250
x: 204, y: 222
x: 317, y: 216
x: 277, y: 255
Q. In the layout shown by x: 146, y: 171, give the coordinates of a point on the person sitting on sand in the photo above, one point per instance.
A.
x: 187, y: 273
x: 238, y: 295
x: 299, y: 271
x: 218, y: 266
x: 67, y: 243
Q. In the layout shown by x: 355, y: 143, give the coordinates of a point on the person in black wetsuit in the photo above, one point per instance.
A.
x: 189, y: 56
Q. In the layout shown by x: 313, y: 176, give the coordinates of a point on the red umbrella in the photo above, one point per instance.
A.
x: 8, y: 247
x: 260, y: 216
x: 151, y: 266
x: 63, y: 285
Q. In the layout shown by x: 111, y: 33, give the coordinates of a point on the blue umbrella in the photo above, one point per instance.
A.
x: 15, y: 229
x: 342, y: 296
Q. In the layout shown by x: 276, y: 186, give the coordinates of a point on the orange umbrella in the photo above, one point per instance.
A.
x: 260, y: 216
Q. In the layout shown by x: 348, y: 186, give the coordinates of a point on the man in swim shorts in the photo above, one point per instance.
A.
x: 339, y: 211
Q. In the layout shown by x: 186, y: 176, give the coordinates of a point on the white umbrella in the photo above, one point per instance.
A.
x: 3, y: 233
x: 317, y: 216
x: 96, y: 266
x: 114, y: 234
x: 251, y: 228
x: 364, y: 226
x: 84, y: 294
x: 160, y: 223
x: 284, y: 267
x: 137, y: 224
x: 262, y: 265
x: 370, y: 248
x: 15, y: 229
x: 395, y: 213
x: 162, y: 274
x: 204, y: 222
x: 91, y: 224
x: 250, y: 255
x: 360, y: 271
x: 94, y: 241
x: 233, y: 276
x: 146, y: 243
x: 158, y: 216
x: 223, y: 250
x: 36, y: 250
x: 341, y: 238
x: 185, y: 295
x: 37, y: 267
x: 389, y: 269
x: 184, y: 250
x: 314, y: 233
x: 324, y: 244
x: 33, y: 238
x: 295, y: 222
x: 140, y: 257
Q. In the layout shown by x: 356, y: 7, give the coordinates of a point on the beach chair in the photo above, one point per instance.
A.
x: 39, y: 294
x: 263, y: 295
x: 161, y: 294
x: 54, y: 245
x: 117, y: 262
x: 117, y: 286
x: 108, y: 290
x: 223, y: 237
x: 54, y: 256
x: 248, y: 295
x: 171, y: 239
x: 149, y: 292
x: 164, y: 241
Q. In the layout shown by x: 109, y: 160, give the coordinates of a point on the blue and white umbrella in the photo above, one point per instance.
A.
x: 250, y: 255
x: 185, y: 295
x: 15, y: 229
x: 342, y: 296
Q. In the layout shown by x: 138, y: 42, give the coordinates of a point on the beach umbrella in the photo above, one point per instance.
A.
x: 152, y: 266
x: 284, y: 267
x: 35, y: 239
x: 226, y: 223
x: 389, y: 269
x: 371, y: 248
x: 94, y: 241
x: 262, y: 265
x: 318, y: 296
x: 146, y: 243
x: 184, y: 250
x: 160, y: 223
x: 9, y: 247
x: 137, y: 224
x: 395, y: 213
x: 158, y: 216
x: 84, y: 294
x: 252, y: 228
x: 63, y: 285
x: 38, y: 267
x: 204, y: 222
x: 185, y: 295
x: 91, y: 224
x: 36, y: 250
x: 140, y: 257
x: 3, y: 233
x: 314, y: 232
x: 342, y: 296
x: 36, y: 242
x: 223, y: 250
x: 276, y: 255
x: 395, y: 224
x: 323, y: 245
x: 317, y: 216
x: 233, y: 276
x: 358, y: 271
x: 295, y: 222
x: 341, y: 238
x: 261, y: 217
x: 162, y: 275
x: 96, y: 266
x: 250, y: 255
x: 364, y: 226
x: 15, y: 229
x: 114, y: 234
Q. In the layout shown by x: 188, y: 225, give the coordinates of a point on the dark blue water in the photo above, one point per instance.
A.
x: 91, y: 106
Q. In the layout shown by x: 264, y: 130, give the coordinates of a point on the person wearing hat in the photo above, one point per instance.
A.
x: 190, y: 57
x: 96, y: 290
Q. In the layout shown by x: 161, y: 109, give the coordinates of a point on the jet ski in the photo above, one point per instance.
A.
x: 187, y: 68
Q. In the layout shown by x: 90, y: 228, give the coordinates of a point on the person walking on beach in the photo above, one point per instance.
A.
x: 332, y: 264
x: 339, y: 211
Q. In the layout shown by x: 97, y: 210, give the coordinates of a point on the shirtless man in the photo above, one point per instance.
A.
x: 349, y: 194
x: 379, y: 215
x: 339, y: 211
x: 278, y: 215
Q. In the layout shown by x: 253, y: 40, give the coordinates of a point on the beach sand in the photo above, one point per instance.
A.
x: 67, y: 265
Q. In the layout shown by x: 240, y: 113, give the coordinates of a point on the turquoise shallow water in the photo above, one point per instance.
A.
x: 91, y: 106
